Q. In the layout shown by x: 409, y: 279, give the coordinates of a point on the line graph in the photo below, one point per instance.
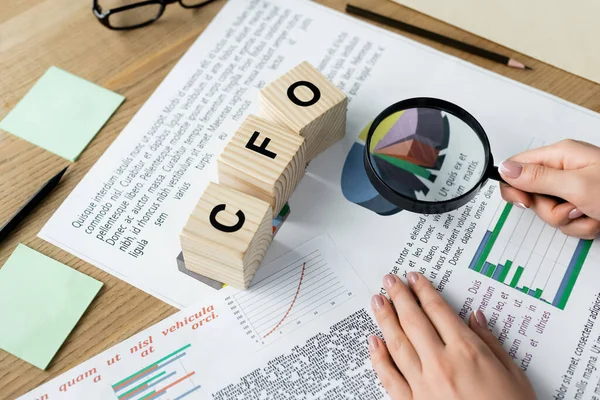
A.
x: 288, y: 298
x: 291, y: 305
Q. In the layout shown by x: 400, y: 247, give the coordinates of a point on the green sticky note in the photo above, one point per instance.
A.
x: 41, y: 301
x: 62, y: 113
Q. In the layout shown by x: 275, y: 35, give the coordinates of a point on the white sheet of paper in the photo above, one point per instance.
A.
x: 308, y: 303
x: 563, y: 34
x: 158, y: 167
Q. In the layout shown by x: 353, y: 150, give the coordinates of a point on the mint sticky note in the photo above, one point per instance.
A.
x: 41, y: 301
x: 62, y: 113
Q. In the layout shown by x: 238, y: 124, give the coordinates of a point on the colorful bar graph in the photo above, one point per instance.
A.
x: 493, y: 237
x: 516, y: 277
x: 480, y: 249
x: 118, y: 386
x: 486, y: 267
x: 498, y: 272
x: 140, y: 387
x: 505, y: 271
x: 539, y: 252
x: 568, y: 282
x: 168, y: 373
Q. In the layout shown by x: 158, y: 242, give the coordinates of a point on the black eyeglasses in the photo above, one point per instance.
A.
x: 139, y: 14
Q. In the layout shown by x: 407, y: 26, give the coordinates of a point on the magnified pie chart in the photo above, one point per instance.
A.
x: 406, y: 147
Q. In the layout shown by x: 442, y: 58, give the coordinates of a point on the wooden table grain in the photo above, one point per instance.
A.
x: 35, y: 34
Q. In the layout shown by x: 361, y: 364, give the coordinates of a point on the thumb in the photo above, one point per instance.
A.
x: 537, y: 178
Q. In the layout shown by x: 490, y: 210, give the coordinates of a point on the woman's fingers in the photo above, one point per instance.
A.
x: 478, y: 323
x: 515, y: 196
x: 559, y: 155
x: 393, y: 381
x: 540, y: 179
x: 398, y: 344
x: 413, y: 320
x: 548, y: 209
x: 447, y: 324
x: 583, y: 228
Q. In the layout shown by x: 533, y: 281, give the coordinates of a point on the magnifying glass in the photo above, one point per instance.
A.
x: 428, y: 156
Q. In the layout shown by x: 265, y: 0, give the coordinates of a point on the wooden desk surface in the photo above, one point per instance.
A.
x: 35, y: 34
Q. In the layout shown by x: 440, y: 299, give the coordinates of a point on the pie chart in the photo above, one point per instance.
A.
x: 405, y: 150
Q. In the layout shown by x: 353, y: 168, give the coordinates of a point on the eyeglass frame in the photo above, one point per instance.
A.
x: 103, y: 16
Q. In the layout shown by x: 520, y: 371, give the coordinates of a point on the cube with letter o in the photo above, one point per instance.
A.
x: 304, y: 101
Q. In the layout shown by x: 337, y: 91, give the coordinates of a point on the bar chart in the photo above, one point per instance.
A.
x: 523, y: 252
x: 167, y: 376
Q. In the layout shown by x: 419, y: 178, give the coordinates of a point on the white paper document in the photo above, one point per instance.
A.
x: 539, y: 289
x: 304, y: 319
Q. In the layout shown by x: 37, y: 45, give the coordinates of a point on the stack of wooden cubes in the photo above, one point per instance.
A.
x: 230, y: 230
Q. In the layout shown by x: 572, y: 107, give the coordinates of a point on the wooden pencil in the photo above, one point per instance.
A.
x: 436, y: 37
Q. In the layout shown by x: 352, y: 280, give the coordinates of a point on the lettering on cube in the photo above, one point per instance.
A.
x: 263, y: 160
x: 304, y: 101
x: 227, y: 235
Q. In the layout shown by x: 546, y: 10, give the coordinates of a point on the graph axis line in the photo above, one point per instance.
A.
x: 246, y: 316
x: 291, y: 305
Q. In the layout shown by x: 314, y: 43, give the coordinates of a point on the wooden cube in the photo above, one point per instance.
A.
x: 263, y: 160
x: 304, y: 101
x: 227, y: 235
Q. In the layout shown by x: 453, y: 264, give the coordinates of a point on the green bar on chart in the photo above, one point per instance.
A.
x: 490, y: 270
x: 504, y: 273
x: 143, y: 384
x: 575, y: 274
x: 538, y: 293
x: 524, y: 289
x: 495, y: 233
x: 150, y: 366
x: 515, y: 279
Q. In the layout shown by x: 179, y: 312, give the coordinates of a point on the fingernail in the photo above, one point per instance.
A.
x: 510, y: 169
x: 575, y: 213
x: 388, y: 281
x: 480, y: 318
x: 520, y: 205
x: 377, y: 302
x: 373, y: 343
x: 412, y: 277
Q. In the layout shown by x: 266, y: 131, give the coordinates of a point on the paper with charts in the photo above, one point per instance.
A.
x: 304, y: 319
x: 538, y: 288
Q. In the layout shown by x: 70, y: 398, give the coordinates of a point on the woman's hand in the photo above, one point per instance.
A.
x: 430, y: 353
x: 569, y: 170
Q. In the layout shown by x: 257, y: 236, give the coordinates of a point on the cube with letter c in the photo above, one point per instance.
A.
x: 263, y: 160
x: 227, y: 235
x: 304, y: 101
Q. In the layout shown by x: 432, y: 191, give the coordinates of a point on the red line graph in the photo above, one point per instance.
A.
x: 291, y: 305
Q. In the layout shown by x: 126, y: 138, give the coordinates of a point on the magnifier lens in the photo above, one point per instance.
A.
x: 427, y: 154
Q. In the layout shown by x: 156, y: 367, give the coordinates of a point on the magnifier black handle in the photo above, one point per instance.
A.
x: 495, y: 175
